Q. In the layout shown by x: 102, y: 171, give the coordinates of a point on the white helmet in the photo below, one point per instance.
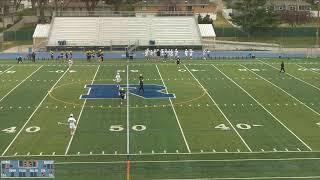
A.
x: 71, y: 115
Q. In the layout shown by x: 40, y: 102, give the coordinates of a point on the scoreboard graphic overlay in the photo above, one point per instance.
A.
x: 27, y: 168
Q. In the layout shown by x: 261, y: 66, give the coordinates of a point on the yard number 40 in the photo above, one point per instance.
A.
x: 31, y: 129
x: 239, y: 126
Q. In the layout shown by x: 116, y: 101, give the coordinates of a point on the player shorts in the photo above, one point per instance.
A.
x: 122, y: 96
x: 72, y: 126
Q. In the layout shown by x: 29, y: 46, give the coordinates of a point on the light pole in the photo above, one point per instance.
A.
x: 317, y: 2
x: 61, y: 7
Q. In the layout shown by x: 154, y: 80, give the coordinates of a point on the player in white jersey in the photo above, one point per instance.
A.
x: 176, y: 53
x: 118, y: 79
x: 146, y: 53
x: 162, y: 53
x: 171, y: 53
x: 72, y: 124
x: 70, y: 62
x: 190, y: 53
x: 151, y: 54
x: 204, y: 54
x: 186, y: 53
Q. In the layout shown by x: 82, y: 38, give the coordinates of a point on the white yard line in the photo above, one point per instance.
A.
x: 293, y: 76
x: 175, y: 113
x: 214, y: 102
x: 79, y: 117
x: 128, y: 108
x: 308, y: 69
x: 34, y: 112
x: 6, y: 70
x: 20, y: 83
x: 282, y: 90
x: 244, y: 178
x: 263, y: 108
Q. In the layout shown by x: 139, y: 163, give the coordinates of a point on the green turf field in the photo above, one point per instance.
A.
x: 231, y: 119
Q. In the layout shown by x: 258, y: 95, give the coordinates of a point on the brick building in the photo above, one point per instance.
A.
x: 195, y: 6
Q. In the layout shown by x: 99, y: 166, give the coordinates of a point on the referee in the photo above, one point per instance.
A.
x: 282, y: 68
x: 141, y: 85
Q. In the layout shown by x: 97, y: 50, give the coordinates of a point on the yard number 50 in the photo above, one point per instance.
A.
x: 118, y: 128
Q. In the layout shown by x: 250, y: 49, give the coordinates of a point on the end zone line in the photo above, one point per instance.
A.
x: 294, y: 77
x: 264, y: 108
x: 20, y: 83
x: 79, y: 117
x: 6, y: 70
x: 34, y: 112
x: 128, y: 108
x: 220, y: 110
x: 308, y: 68
x: 175, y: 113
x: 282, y: 90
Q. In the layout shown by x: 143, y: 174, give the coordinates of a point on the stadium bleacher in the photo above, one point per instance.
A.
x: 109, y: 31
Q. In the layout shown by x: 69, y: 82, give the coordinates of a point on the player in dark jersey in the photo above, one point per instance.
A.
x: 122, y: 93
x: 140, y: 77
x: 282, y: 68
x: 141, y: 85
x: 52, y: 54
x: 178, y: 61
x: 19, y: 58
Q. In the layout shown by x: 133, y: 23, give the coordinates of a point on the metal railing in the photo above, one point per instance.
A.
x: 127, y: 43
x: 121, y: 13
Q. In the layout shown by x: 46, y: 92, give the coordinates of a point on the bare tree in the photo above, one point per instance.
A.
x: 33, y: 3
x: 16, y: 4
x: 91, y: 4
x: 41, y: 5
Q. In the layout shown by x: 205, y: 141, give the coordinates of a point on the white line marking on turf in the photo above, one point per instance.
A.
x: 193, y: 160
x: 294, y: 77
x: 20, y: 83
x: 282, y: 90
x: 172, y: 153
x: 39, y: 105
x: 6, y: 70
x: 259, y: 178
x: 128, y: 109
x: 219, y: 109
x: 264, y: 108
x: 307, y: 68
x: 175, y: 113
x: 79, y: 117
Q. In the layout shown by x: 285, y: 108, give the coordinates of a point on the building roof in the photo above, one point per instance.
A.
x: 288, y: 2
x: 42, y: 31
x: 176, y: 2
x: 206, y: 30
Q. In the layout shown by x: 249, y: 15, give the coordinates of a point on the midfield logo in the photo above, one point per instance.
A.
x: 110, y: 91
